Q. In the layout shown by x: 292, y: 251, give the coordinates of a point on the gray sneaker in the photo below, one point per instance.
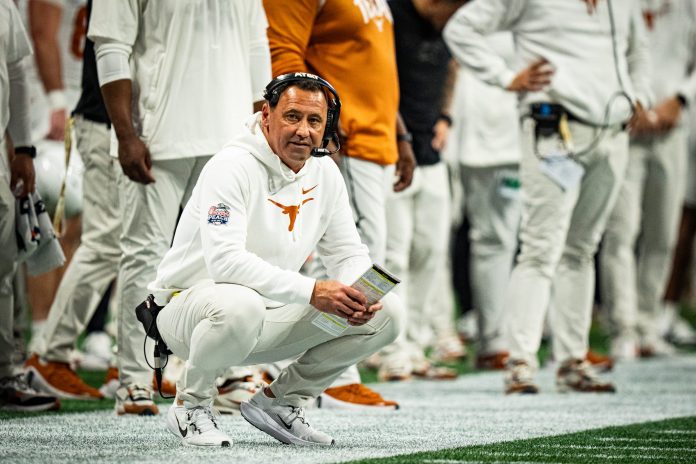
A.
x: 286, y: 424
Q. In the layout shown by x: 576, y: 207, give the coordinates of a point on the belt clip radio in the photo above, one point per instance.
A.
x: 147, y: 312
x: 547, y: 117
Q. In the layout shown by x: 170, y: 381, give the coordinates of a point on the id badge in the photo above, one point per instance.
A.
x: 563, y: 170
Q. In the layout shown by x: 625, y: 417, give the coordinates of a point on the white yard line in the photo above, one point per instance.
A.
x: 642, y: 439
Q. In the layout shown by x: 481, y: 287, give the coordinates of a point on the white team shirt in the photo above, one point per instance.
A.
x: 485, y: 120
x: 14, y: 46
x: 672, y: 43
x: 197, y: 67
x: 577, y: 44
x: 252, y: 221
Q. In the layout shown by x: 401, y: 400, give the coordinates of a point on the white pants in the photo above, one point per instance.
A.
x: 646, y: 213
x: 214, y: 326
x: 367, y: 184
x: 559, y: 235
x: 418, y: 229
x: 493, y: 208
x: 8, y: 265
x: 95, y: 262
x: 148, y: 214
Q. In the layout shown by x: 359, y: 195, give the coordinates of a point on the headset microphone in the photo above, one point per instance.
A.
x: 318, y: 152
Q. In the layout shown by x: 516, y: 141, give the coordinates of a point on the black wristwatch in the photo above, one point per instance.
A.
x: 445, y: 117
x: 682, y: 100
x: 30, y: 150
x: 405, y: 137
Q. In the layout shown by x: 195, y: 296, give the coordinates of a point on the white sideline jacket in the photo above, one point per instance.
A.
x: 14, y: 48
x: 672, y: 41
x: 578, y: 45
x: 485, y: 120
x: 197, y: 67
x: 238, y: 226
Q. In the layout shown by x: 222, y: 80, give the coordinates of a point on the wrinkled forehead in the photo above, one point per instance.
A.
x: 309, y: 101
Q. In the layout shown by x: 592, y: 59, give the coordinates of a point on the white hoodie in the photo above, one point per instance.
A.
x: 252, y: 221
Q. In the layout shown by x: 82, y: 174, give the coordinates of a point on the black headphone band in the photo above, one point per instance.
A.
x: 276, y: 86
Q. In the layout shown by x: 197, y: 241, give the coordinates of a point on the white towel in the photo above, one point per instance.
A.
x: 36, y: 240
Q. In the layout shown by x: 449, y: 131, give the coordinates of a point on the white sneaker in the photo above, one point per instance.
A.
x: 196, y: 426
x: 656, y: 347
x: 623, y: 347
x: 97, y: 352
x: 135, y: 399
x: 286, y: 424
x: 681, y: 332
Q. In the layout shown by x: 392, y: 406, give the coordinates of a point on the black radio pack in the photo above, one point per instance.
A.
x: 147, y: 312
x: 547, y: 117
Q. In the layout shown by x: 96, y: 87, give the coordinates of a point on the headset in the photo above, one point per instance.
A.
x: 278, y: 85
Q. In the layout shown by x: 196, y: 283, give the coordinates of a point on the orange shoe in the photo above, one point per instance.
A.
x: 168, y: 387
x: 493, y: 361
x: 58, y: 379
x: 600, y: 362
x: 354, y: 396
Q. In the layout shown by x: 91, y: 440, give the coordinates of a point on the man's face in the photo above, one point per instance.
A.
x: 295, y: 125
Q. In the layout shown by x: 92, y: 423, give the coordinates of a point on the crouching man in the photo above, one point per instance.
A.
x: 230, y: 281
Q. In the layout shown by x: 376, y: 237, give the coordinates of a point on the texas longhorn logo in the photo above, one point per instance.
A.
x: 293, y: 210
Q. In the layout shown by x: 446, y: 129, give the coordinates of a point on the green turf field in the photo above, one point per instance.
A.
x: 668, y: 441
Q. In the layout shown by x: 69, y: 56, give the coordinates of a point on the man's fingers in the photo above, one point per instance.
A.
x: 356, y: 295
x: 538, y: 64
x: 352, y: 304
x: 375, y: 307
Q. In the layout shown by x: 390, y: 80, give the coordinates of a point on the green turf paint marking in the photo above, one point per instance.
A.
x: 613, y: 444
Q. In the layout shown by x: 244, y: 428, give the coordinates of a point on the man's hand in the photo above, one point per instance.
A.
x: 22, y: 175
x: 365, y: 316
x: 642, y: 122
x: 591, y: 5
x: 668, y: 113
x: 440, y: 133
x: 533, y: 78
x: 135, y: 160
x: 57, y: 125
x: 332, y: 297
x: 404, y: 166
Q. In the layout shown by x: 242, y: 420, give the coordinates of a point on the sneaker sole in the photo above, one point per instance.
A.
x: 37, y: 381
x: 138, y: 410
x: 36, y: 408
x: 570, y: 389
x: 262, y: 421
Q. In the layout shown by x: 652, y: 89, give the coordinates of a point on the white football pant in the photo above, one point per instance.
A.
x: 418, y: 225
x: 367, y: 184
x: 8, y: 265
x: 95, y: 262
x: 148, y: 214
x: 493, y: 208
x: 646, y: 213
x: 559, y: 235
x: 214, y: 326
